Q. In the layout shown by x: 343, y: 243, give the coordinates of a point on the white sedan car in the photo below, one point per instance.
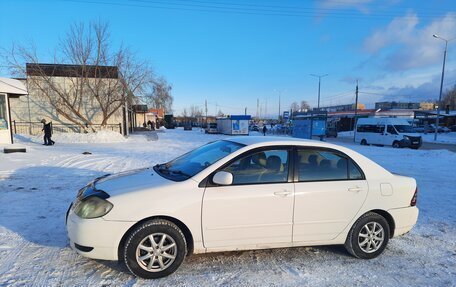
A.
x: 238, y: 194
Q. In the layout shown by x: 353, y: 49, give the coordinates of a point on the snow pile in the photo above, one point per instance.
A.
x: 345, y: 134
x: 162, y: 128
x: 103, y: 136
x: 448, y: 138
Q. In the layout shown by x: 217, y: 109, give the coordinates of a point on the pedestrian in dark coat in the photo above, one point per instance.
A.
x: 47, y: 128
x: 264, y: 130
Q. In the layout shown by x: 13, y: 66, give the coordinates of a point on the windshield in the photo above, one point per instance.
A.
x: 404, y: 129
x: 195, y: 161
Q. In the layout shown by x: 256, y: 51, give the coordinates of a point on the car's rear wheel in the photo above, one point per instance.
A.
x: 368, y: 237
x: 363, y: 142
x: 155, y: 249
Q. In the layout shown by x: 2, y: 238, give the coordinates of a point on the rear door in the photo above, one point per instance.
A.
x: 329, y: 192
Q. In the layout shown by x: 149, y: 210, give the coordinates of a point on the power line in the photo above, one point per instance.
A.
x: 266, y: 10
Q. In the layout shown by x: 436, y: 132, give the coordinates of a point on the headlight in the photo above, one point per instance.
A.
x: 92, y: 207
x: 406, y: 138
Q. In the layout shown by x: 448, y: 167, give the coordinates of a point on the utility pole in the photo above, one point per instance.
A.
x: 205, y: 107
x: 356, y: 111
x: 258, y: 109
x: 266, y: 108
x: 245, y: 111
x: 441, y: 84
x: 127, y: 124
x: 279, y: 107
x: 319, y: 86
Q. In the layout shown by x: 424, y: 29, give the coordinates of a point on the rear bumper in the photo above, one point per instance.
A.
x: 404, y: 219
x: 96, y: 238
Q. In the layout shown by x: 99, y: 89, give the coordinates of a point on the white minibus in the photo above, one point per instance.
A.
x: 394, y: 132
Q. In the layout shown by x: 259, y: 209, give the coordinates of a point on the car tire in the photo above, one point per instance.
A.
x: 363, y: 142
x: 396, y: 144
x: 368, y: 237
x: 150, y: 260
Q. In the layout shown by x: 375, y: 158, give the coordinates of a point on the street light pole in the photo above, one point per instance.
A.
x: 319, y: 85
x: 441, y: 84
x: 280, y: 95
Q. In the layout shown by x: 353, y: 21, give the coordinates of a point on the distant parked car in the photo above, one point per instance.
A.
x: 254, y: 128
x: 241, y: 194
x: 331, y: 132
x: 440, y: 129
x: 211, y: 128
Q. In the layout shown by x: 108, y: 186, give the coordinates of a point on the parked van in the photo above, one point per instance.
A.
x: 387, y: 131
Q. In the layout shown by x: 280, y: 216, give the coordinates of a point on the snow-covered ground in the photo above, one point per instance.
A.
x: 36, y: 188
x: 446, y: 138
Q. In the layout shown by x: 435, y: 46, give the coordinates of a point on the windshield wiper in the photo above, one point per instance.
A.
x: 162, y: 168
x: 179, y: 172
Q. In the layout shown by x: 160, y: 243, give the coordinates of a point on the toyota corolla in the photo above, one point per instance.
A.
x: 240, y: 194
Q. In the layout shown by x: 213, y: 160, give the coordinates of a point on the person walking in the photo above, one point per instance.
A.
x: 47, y: 128
x: 264, y: 129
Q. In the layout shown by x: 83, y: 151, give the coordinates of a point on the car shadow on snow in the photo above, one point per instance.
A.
x: 237, y: 262
x: 35, y: 200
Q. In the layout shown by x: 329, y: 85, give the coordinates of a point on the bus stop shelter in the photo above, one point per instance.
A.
x: 309, y: 124
x: 9, y: 88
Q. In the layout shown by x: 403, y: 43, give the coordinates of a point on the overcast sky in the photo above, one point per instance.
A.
x: 233, y: 52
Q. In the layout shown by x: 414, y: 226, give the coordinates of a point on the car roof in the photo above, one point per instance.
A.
x: 270, y: 140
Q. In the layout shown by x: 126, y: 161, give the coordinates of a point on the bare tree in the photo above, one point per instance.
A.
x: 98, y: 80
x: 449, y: 99
x: 184, y: 113
x: 294, y: 107
x: 304, y: 106
x: 160, y: 97
x: 196, y: 112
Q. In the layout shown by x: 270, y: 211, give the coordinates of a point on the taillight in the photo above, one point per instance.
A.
x: 415, y: 195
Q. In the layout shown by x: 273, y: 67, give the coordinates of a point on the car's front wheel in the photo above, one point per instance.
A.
x: 155, y: 249
x: 368, y: 237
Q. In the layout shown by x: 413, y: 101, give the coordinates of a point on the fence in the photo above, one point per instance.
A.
x: 35, y: 128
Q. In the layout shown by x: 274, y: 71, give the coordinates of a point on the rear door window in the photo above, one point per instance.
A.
x: 325, y: 165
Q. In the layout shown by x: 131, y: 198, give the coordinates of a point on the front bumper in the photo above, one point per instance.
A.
x: 412, y: 142
x: 96, y: 238
x: 404, y: 219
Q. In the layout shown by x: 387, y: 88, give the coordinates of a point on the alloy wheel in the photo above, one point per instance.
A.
x: 156, y: 252
x: 371, y: 237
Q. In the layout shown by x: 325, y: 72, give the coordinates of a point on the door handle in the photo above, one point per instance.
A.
x: 355, y: 189
x: 282, y: 193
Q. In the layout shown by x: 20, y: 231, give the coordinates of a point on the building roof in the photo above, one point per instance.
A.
x: 64, y: 70
x: 157, y: 112
x: 12, y: 87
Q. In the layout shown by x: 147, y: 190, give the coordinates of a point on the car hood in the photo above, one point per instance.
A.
x: 130, y: 181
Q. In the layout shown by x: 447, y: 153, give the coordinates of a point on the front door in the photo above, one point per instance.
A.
x: 257, y: 209
x: 329, y: 192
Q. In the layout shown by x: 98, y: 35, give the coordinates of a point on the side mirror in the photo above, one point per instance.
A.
x: 223, y: 178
